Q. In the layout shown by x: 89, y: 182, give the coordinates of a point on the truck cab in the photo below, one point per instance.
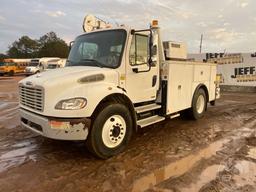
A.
x: 116, y: 81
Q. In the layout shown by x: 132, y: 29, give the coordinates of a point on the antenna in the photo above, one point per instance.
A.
x: 201, y: 43
x: 91, y: 23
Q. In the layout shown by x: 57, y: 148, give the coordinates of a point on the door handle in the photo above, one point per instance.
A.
x: 154, y: 80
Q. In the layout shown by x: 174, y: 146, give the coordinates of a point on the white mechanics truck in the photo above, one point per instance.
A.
x: 38, y: 65
x: 116, y: 81
x: 55, y: 64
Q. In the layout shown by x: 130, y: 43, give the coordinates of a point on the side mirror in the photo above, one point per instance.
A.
x: 70, y: 45
x: 154, y: 50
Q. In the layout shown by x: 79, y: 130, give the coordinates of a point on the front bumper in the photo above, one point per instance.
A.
x: 29, y: 73
x: 56, y: 128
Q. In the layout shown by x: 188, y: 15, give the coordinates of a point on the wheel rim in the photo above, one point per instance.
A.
x: 200, y: 104
x: 114, y: 130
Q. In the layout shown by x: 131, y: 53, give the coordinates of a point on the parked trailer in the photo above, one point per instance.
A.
x: 116, y: 81
x: 13, y: 66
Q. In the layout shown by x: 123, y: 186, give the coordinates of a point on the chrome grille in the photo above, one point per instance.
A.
x: 31, y: 97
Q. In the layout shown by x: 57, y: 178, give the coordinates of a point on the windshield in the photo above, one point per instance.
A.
x: 9, y: 64
x: 33, y: 64
x: 52, y: 66
x: 102, y: 49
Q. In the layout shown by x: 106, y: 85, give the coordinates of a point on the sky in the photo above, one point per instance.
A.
x: 227, y: 25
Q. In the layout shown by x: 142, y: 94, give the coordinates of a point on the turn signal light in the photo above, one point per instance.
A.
x: 155, y: 23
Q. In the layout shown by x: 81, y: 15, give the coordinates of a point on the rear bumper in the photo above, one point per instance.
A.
x: 56, y: 128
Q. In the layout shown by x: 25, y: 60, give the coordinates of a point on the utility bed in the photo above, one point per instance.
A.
x: 183, y: 77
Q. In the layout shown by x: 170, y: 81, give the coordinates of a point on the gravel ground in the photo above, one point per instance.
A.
x: 214, y: 154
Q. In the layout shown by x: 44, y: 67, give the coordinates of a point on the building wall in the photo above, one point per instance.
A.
x: 237, y: 69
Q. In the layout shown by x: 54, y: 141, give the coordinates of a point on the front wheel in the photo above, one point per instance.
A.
x: 111, y: 131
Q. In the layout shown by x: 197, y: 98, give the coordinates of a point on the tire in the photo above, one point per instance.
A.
x: 213, y: 103
x: 11, y: 73
x: 111, y: 131
x: 198, y: 105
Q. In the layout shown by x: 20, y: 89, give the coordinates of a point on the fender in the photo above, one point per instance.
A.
x: 94, y: 93
x: 203, y: 86
x: 119, y: 98
x: 99, y: 93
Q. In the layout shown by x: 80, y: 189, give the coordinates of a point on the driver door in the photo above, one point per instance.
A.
x: 142, y: 82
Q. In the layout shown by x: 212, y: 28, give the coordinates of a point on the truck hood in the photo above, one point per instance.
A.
x: 31, y: 67
x: 68, y: 75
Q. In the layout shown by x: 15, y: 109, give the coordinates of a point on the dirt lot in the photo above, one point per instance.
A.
x: 214, y: 154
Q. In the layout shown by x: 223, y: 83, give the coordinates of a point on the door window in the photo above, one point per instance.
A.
x: 139, y: 50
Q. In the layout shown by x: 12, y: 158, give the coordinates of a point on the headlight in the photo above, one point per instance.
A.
x: 71, y: 104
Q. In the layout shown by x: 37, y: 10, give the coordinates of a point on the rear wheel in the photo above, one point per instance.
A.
x: 198, y: 105
x: 111, y: 131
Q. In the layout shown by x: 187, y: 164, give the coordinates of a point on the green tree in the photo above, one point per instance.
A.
x: 49, y: 45
x: 52, y: 46
x: 2, y: 57
x: 54, y: 49
x: 48, y: 37
x: 25, y: 47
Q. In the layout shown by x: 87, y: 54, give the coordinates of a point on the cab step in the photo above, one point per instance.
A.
x: 149, y: 121
x: 145, y: 108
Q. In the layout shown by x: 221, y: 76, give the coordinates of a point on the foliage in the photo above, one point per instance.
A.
x: 52, y: 46
x: 25, y: 47
x: 49, y: 45
x: 2, y: 56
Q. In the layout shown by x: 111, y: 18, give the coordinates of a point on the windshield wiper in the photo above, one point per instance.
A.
x: 99, y: 64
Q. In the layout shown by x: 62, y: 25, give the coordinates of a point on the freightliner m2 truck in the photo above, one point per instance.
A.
x: 116, y: 81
